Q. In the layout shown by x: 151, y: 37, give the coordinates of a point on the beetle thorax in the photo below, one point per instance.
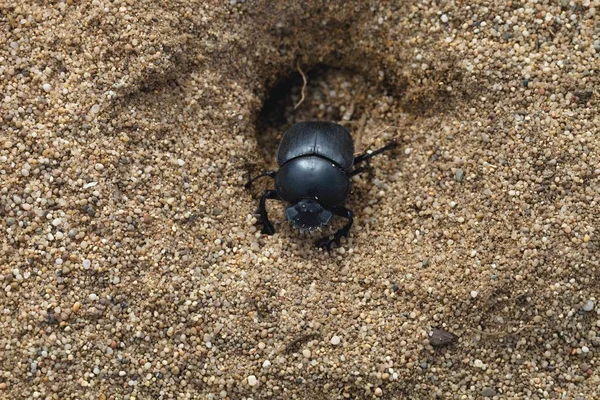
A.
x: 315, y: 178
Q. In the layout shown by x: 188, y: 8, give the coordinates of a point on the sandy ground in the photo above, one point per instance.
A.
x: 130, y: 263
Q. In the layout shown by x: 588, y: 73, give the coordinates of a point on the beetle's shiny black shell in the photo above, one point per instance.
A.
x: 317, y: 138
x: 312, y: 177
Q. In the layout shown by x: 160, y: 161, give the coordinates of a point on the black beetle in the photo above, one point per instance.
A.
x: 316, y: 161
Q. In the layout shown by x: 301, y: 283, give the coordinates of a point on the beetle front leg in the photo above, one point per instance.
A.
x: 267, y: 225
x: 366, y: 155
x: 340, y: 211
x: 271, y: 174
x: 356, y: 171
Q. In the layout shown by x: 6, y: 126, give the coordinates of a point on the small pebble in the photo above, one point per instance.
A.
x: 89, y: 185
x: 584, y: 366
x: 474, y: 293
x: 47, y: 87
x: 458, y: 175
x: 588, y: 306
x: 488, y: 392
x: 89, y: 210
x: 335, y: 340
x: 252, y: 381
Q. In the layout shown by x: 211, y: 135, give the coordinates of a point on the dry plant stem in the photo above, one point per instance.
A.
x: 303, y: 85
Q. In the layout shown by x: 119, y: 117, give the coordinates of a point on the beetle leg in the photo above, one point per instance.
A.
x: 356, y: 171
x: 271, y: 174
x: 267, y: 225
x: 366, y: 155
x: 340, y: 211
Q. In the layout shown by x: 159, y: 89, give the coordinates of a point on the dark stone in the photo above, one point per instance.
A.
x: 89, y: 210
x: 584, y: 96
x: 440, y: 338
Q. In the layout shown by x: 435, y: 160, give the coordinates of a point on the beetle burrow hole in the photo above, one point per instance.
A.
x: 334, y: 94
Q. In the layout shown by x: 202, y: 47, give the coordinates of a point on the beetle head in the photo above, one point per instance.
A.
x: 308, y: 215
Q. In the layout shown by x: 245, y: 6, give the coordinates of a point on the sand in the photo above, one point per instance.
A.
x: 131, y: 265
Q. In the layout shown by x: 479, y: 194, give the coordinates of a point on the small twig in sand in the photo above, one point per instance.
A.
x: 350, y: 111
x: 295, y: 344
x: 502, y: 335
x: 362, y: 122
x: 303, y: 85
